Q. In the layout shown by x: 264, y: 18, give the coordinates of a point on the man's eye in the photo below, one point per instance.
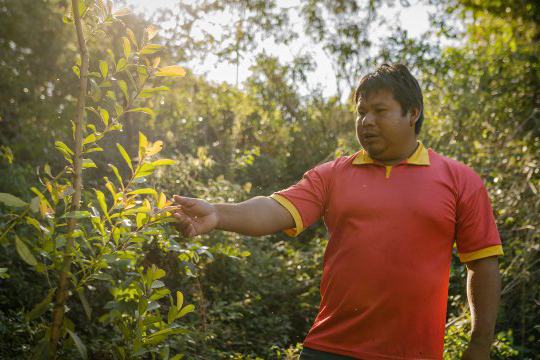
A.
x: 381, y: 110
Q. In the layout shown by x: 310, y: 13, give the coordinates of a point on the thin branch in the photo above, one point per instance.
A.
x: 62, y: 292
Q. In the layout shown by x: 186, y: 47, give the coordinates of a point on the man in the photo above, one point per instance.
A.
x: 393, y: 212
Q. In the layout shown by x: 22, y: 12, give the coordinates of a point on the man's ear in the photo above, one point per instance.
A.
x: 414, y: 114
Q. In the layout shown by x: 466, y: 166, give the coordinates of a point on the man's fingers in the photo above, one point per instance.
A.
x: 182, y: 219
x: 184, y: 224
x: 185, y: 201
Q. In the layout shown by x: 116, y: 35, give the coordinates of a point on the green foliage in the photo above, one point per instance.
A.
x: 246, y: 298
x: 136, y: 315
x: 105, y: 237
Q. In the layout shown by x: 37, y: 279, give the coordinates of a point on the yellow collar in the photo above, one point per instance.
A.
x: 419, y: 157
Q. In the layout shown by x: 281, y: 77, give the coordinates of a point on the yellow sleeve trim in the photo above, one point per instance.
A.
x: 495, y: 250
x: 294, y: 212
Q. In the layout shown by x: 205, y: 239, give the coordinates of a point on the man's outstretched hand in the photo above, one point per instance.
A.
x: 257, y: 216
x: 195, y: 216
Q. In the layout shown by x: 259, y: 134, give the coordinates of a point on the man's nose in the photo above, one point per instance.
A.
x: 368, y: 120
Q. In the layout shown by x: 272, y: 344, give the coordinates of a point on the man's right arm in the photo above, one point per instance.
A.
x: 255, y: 217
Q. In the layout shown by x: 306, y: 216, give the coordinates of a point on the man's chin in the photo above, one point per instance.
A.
x: 373, y: 150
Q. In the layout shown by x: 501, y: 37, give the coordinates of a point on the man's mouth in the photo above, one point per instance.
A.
x: 369, y: 136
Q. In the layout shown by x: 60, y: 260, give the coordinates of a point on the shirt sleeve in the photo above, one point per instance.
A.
x: 476, y: 232
x: 307, y: 199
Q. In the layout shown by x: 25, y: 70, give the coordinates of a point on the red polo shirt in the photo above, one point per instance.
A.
x: 386, y: 267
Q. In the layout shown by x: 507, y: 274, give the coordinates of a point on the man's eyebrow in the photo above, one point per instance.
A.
x: 378, y: 103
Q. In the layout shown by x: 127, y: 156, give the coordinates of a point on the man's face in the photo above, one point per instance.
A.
x: 383, y: 131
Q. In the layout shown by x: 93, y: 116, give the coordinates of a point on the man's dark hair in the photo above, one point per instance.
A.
x: 397, y: 79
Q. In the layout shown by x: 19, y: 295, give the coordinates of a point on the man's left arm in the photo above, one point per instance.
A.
x: 483, y: 293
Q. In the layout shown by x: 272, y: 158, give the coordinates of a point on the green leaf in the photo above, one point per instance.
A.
x: 160, y: 332
x: 119, y: 111
x: 157, y: 284
x: 125, y: 156
x: 171, y: 71
x: 153, y: 305
x: 89, y: 108
x: 84, y: 302
x: 73, y: 128
x: 104, y: 68
x: 115, y: 170
x: 150, y: 49
x: 143, y: 191
x: 159, y: 88
x: 159, y: 273
x: 179, y: 300
x: 11, y: 200
x: 131, y: 79
x: 131, y: 36
x: 79, y: 344
x: 171, y: 315
x: 137, y: 210
x: 82, y: 7
x: 104, y: 116
x: 94, y: 149
x: 177, y: 357
x: 43, y: 350
x: 77, y: 214
x: 162, y: 162
x: 145, y: 170
x: 159, y: 293
x: 65, y: 150
x: 186, y: 310
x: 63, y: 146
x: 95, y: 91
x: 143, y: 305
x: 40, y: 268
x: 24, y: 252
x: 127, y: 47
x: 143, y: 110
x: 122, y: 12
x: 88, y: 163
x: 34, y: 223
x: 143, y: 143
x: 154, y: 340
x: 143, y: 74
x: 47, y: 169
x: 121, y: 65
x: 101, y: 199
x: 150, y: 32
x: 155, y: 148
x: 90, y: 138
x: 77, y: 71
x: 34, y: 204
x: 123, y: 86
x: 151, y: 320
x: 121, y: 351
x: 140, y: 219
x: 41, y: 307
x: 140, y: 180
x: 147, y: 93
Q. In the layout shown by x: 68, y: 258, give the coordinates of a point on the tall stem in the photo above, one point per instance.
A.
x: 62, y: 292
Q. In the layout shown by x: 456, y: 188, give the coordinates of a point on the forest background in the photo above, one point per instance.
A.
x: 478, y: 66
